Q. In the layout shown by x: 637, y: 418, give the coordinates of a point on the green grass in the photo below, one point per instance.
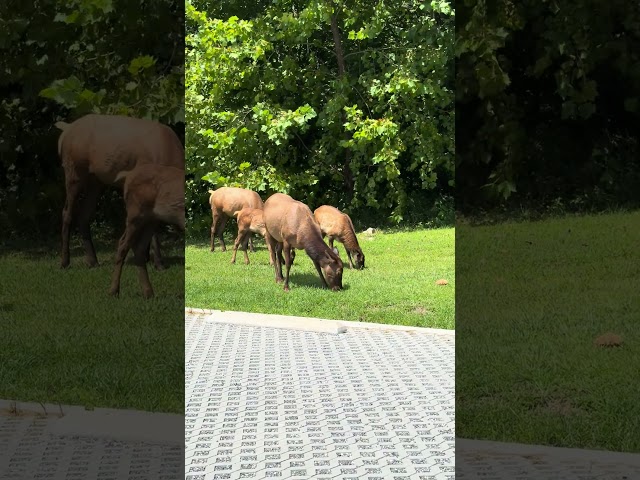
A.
x: 396, y: 287
x: 531, y: 299
x: 64, y: 340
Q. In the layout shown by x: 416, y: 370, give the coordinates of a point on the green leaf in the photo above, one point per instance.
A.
x: 139, y: 64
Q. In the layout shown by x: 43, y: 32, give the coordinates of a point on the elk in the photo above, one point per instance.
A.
x: 338, y: 226
x: 250, y: 220
x: 153, y: 194
x: 97, y: 151
x: 225, y: 202
x: 290, y: 224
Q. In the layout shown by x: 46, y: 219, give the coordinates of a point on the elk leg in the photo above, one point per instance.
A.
x: 85, y: 216
x: 222, y: 224
x: 124, y: 245
x: 287, y: 259
x: 278, y: 262
x: 317, y: 265
x: 236, y: 244
x: 73, y: 190
x: 244, y: 248
x: 269, y: 249
x: 140, y: 250
x: 251, y: 242
x: 349, y: 257
x: 213, y: 231
x: 215, y: 225
x: 154, y: 251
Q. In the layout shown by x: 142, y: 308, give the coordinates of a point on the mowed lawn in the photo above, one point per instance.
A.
x: 65, y: 340
x: 396, y: 287
x: 531, y: 300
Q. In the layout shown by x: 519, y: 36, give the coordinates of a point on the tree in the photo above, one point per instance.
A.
x: 547, y: 102
x: 347, y: 103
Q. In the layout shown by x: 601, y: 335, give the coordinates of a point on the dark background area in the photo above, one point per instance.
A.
x: 547, y: 106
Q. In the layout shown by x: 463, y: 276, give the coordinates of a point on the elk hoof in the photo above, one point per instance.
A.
x: 246, y: 262
x: 232, y: 262
x: 92, y: 263
x: 114, y: 292
x: 147, y: 294
x: 286, y: 288
x: 223, y: 249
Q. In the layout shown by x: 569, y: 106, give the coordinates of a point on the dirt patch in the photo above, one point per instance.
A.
x: 421, y: 310
x: 608, y: 340
x: 558, y: 406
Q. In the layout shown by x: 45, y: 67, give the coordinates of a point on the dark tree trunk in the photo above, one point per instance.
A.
x: 347, y: 175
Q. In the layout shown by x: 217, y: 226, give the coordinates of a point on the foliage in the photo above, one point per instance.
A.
x: 547, y: 101
x: 347, y: 103
x: 61, y: 60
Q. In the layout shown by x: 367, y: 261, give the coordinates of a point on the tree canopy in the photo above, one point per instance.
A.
x: 547, y: 102
x: 345, y: 103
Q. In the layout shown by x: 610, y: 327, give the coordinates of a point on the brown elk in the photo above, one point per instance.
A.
x: 250, y: 220
x: 225, y: 203
x: 96, y: 151
x: 153, y: 194
x: 290, y: 224
x: 338, y: 226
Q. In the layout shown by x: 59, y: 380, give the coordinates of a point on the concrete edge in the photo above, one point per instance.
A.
x: 102, y: 423
x: 557, y: 453
x: 315, y: 325
x: 304, y: 323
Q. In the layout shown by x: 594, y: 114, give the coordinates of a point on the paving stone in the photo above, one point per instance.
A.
x: 29, y: 451
x: 291, y: 404
x: 524, y: 462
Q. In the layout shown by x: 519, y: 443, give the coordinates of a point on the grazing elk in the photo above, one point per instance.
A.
x: 290, y: 224
x: 97, y: 151
x: 153, y: 194
x: 225, y: 203
x: 250, y: 220
x: 338, y: 226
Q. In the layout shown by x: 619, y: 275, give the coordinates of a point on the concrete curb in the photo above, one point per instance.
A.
x: 558, y: 454
x: 303, y: 323
x: 113, y: 424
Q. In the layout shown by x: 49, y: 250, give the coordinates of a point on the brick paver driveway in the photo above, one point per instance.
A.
x: 266, y: 402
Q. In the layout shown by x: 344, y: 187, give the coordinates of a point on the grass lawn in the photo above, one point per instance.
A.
x: 65, y: 340
x: 396, y: 287
x: 531, y: 299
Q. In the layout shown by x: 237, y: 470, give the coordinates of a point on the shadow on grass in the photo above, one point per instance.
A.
x: 308, y: 280
x: 6, y: 307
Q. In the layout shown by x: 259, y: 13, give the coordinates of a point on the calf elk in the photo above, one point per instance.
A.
x: 337, y: 225
x: 290, y: 224
x: 250, y: 220
x: 153, y: 195
x: 98, y: 150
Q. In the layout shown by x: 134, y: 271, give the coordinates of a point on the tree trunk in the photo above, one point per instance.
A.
x: 347, y: 175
